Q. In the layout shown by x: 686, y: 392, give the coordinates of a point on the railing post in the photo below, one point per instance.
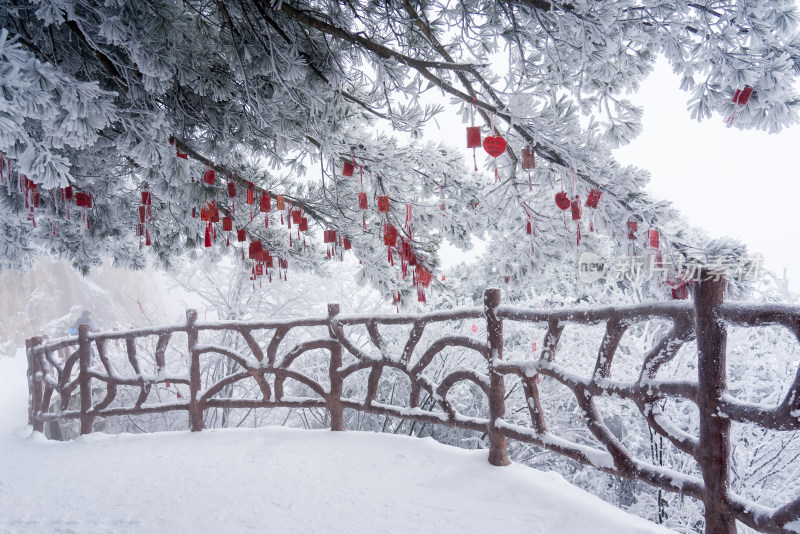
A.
x: 195, y: 410
x: 498, y: 444
x: 85, y: 381
x: 35, y: 387
x: 714, y: 445
x: 30, y: 375
x: 335, y: 395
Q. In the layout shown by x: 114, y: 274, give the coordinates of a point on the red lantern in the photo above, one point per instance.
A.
x: 281, y: 202
x: 383, y: 204
x: 241, y: 235
x: 147, y: 198
x: 362, y: 201
x: 473, y: 136
x: 227, y: 224
x: 653, y: 238
x: 562, y: 201
x: 348, y: 169
x: 303, y: 224
x: 528, y: 158
x: 209, y: 176
x: 576, y: 208
x: 390, y: 236
x: 231, y: 189
x: 593, y: 198
x: 265, y: 202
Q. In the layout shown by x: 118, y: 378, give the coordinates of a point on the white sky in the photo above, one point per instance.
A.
x: 730, y: 182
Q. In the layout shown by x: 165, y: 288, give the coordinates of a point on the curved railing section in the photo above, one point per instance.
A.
x: 86, y: 382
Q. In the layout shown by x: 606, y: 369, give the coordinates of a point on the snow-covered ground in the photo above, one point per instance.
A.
x: 273, y: 480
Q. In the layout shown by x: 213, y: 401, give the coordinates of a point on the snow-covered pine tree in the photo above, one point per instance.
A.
x: 281, y: 94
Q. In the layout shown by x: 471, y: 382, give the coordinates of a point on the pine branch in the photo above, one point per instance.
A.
x: 356, y: 39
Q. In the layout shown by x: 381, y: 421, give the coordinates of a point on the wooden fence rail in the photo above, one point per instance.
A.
x: 95, y: 382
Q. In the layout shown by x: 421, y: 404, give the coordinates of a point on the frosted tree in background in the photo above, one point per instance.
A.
x: 122, y: 97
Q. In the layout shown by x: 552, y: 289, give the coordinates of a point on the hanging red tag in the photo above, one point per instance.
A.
x: 303, y: 224
x: 348, y: 169
x: 473, y: 136
x: 653, y: 238
x: 83, y: 200
x: 494, y: 145
x: 390, y: 236
x: 241, y: 235
x: 147, y: 198
x: 255, y: 249
x: 383, y: 204
x: 528, y: 228
x: 297, y: 216
x: 593, y: 198
x: 142, y: 214
x: 208, y: 235
x: 227, y: 224
x: 281, y: 202
x: 231, y: 189
x: 251, y: 193
x: 362, y: 201
x: 576, y: 208
x: 632, y: 228
x: 562, y: 201
x: 742, y: 96
x: 213, y: 212
x: 209, y: 176
x: 424, y: 276
x: 264, y: 202
x: 346, y: 244
x: 528, y: 158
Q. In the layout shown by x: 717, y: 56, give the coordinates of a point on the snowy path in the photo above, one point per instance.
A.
x: 274, y: 480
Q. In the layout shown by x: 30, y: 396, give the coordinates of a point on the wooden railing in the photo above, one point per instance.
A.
x: 80, y: 368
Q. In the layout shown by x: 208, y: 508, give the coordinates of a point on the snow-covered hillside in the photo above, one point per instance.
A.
x: 273, y: 480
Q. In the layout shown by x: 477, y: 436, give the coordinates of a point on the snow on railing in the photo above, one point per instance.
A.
x: 73, y: 368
